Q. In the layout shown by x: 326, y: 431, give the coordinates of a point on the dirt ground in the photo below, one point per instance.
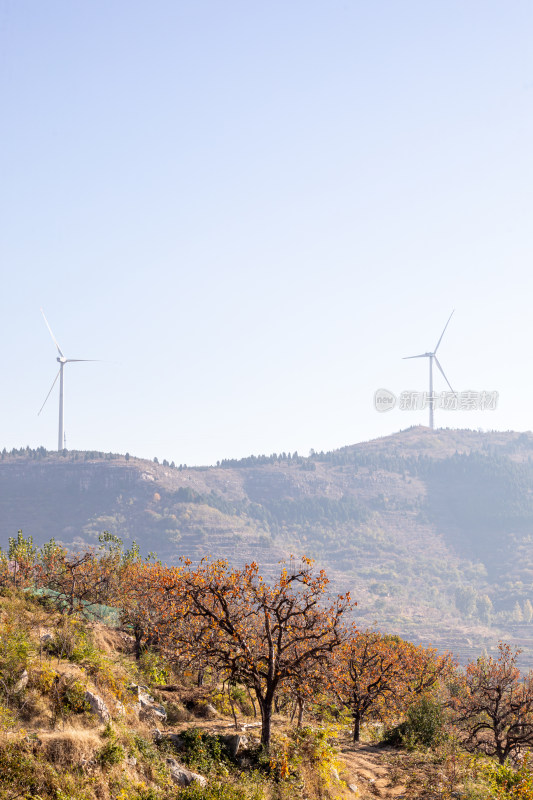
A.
x: 369, y: 771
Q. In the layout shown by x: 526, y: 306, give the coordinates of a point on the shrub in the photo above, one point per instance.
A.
x: 513, y: 784
x: 203, y: 751
x: 153, y: 668
x: 7, y: 719
x: 111, y: 753
x: 66, y: 693
x: 71, y: 641
x: 15, y: 651
x: 177, y: 713
x: 424, y: 726
x: 72, y: 697
x: 219, y: 791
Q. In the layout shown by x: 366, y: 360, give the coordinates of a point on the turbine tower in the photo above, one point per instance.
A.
x: 62, y: 361
x: 433, y: 357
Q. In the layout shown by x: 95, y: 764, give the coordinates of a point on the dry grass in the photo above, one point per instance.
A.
x: 71, y: 746
x: 108, y: 640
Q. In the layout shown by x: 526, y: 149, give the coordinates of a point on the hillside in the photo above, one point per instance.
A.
x: 431, y: 530
x: 82, y: 719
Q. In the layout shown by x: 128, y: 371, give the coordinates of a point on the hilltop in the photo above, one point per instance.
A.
x: 432, y: 531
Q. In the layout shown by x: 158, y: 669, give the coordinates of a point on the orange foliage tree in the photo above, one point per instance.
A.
x: 260, y: 635
x: 382, y: 674
x: 495, y: 705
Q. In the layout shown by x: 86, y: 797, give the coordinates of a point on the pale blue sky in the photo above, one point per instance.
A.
x: 252, y: 211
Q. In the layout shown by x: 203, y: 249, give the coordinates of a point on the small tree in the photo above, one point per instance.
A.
x: 21, y: 560
x: 382, y: 674
x: 495, y: 705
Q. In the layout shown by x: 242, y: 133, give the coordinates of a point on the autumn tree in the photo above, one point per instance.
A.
x: 494, y: 705
x: 140, y: 584
x: 259, y: 635
x: 382, y: 674
x: 81, y: 580
x: 308, y: 684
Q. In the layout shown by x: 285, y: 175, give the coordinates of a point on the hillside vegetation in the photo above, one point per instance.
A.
x: 214, y: 684
x: 432, y: 530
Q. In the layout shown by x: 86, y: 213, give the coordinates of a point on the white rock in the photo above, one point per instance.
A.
x: 233, y: 743
x: 182, y: 776
x: 120, y: 709
x: 22, y: 682
x: 98, y: 707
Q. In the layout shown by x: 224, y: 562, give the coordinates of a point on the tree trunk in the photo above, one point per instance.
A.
x: 232, y: 706
x: 356, y: 726
x: 301, y: 706
x: 265, y: 704
x: 138, y: 634
x: 251, y: 700
x: 293, y: 712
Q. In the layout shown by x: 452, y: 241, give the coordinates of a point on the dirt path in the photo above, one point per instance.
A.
x: 367, y: 769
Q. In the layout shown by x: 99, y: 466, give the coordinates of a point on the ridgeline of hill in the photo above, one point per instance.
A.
x: 431, y: 530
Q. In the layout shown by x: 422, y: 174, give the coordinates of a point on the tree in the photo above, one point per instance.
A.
x: 484, y: 608
x: 495, y: 705
x: 382, y: 674
x: 84, y: 579
x: 137, y: 605
x: 259, y: 635
x: 19, y: 567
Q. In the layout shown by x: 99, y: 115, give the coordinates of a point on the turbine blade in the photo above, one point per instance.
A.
x: 52, y: 335
x: 443, y: 375
x: 443, y: 332
x: 49, y: 393
x: 422, y: 355
x: 71, y: 360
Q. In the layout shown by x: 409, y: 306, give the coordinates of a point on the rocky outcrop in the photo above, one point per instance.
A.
x: 146, y: 705
x: 183, y: 777
x: 98, y: 707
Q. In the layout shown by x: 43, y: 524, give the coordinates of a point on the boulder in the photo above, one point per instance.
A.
x: 148, y: 707
x: 205, y: 710
x: 154, y: 712
x: 233, y: 742
x: 22, y: 682
x: 98, y: 707
x: 182, y: 776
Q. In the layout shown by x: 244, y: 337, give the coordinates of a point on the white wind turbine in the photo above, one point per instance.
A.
x: 433, y: 357
x: 62, y: 361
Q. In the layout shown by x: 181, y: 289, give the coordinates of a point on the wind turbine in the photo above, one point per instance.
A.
x: 62, y: 361
x: 433, y: 357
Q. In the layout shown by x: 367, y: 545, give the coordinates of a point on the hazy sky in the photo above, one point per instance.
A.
x: 251, y: 211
